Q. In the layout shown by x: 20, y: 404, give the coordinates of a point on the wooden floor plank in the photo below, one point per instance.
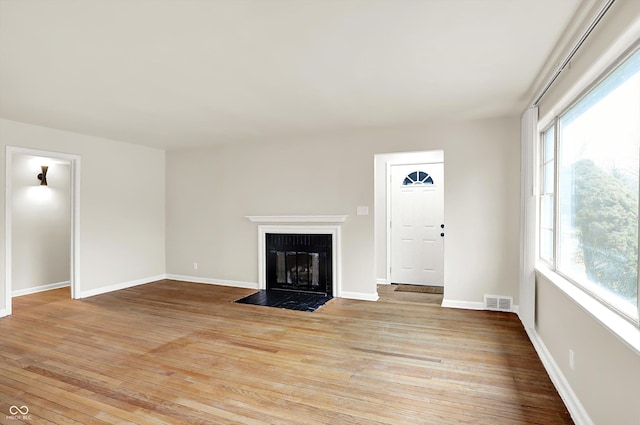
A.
x: 175, y: 352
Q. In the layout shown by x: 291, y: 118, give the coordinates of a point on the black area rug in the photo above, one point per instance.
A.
x: 301, y: 301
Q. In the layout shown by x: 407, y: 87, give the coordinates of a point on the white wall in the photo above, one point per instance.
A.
x: 210, y: 191
x: 122, y: 217
x: 41, y: 224
x: 607, y: 372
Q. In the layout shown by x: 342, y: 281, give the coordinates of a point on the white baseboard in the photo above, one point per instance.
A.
x: 466, y: 305
x: 119, y: 286
x: 3, y: 312
x: 360, y: 296
x: 41, y: 288
x: 382, y: 282
x: 576, y: 409
x: 208, y: 281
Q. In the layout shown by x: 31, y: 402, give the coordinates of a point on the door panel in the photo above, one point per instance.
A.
x: 417, y: 213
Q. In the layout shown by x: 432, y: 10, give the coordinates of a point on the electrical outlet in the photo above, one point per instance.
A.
x: 195, y: 266
x: 572, y: 363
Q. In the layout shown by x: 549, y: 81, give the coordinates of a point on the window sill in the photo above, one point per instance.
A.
x: 624, y: 330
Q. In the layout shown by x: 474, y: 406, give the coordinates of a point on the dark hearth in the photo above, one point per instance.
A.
x: 290, y: 300
x: 299, y: 263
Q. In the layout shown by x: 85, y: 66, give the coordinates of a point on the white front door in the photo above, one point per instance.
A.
x: 417, y: 224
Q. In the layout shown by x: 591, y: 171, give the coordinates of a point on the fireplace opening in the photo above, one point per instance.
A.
x: 299, y: 263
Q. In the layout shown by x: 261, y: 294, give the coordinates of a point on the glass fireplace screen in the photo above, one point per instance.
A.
x: 299, y: 262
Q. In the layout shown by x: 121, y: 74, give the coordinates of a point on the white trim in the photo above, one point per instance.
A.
x: 465, y: 305
x: 297, y: 218
x: 528, y: 216
x: 122, y: 285
x: 75, y: 189
x: 41, y: 288
x: 336, y: 247
x: 7, y: 230
x: 360, y: 296
x: 576, y: 409
x: 211, y: 281
x: 3, y: 313
x: 387, y: 203
x: 382, y: 282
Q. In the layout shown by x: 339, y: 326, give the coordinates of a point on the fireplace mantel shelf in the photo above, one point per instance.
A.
x: 297, y: 218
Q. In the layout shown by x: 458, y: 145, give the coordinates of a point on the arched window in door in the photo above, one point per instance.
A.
x: 417, y: 178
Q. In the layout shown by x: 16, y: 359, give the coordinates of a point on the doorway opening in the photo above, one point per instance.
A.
x: 42, y: 222
x: 409, y: 218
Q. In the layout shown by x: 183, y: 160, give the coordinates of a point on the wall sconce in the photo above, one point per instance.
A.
x: 43, y: 175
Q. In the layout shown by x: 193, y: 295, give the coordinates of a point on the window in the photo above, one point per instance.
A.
x: 588, y: 229
x: 417, y: 178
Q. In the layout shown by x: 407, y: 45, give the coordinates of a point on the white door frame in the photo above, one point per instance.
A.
x: 74, y: 165
x: 427, y: 157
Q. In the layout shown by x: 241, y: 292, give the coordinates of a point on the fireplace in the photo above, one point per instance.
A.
x: 299, y: 262
x: 326, y: 226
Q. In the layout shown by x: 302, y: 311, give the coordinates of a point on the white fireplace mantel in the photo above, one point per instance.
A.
x: 297, y: 218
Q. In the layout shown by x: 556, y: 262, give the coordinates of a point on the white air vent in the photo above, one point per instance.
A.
x: 498, y: 302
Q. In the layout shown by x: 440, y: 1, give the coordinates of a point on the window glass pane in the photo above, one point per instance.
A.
x: 547, y: 177
x: 598, y: 184
x: 417, y: 178
x: 548, y: 144
x: 546, y: 212
x: 546, y: 244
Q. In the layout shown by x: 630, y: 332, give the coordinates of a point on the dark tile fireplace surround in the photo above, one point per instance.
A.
x: 299, y: 263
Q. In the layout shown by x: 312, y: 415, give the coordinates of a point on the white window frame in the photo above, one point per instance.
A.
x: 541, y: 166
x: 588, y: 299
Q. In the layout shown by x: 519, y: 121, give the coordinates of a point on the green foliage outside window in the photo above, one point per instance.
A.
x: 605, y: 213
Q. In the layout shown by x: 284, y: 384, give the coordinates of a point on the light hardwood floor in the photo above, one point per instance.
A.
x: 174, y: 352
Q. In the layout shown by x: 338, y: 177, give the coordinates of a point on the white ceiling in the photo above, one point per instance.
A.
x: 185, y: 73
